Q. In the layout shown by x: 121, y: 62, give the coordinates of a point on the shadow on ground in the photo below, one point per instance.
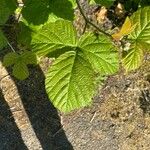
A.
x: 8, y: 129
x: 43, y: 116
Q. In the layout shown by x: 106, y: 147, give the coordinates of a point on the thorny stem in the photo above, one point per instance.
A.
x: 89, y: 22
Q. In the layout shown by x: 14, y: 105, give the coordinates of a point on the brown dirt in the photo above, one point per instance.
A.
x: 118, y: 119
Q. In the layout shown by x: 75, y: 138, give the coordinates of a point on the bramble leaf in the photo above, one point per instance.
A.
x: 6, y: 8
x: 134, y: 58
x: 54, y: 36
x: 24, y: 35
x: 29, y: 57
x: 44, y: 10
x: 20, y: 70
x: 140, y: 39
x: 20, y: 62
x: 100, y: 52
x: 70, y: 82
x: 74, y: 4
x: 10, y: 59
x: 141, y: 34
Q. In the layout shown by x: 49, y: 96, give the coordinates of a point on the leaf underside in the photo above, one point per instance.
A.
x: 100, y: 52
x: 54, y: 36
x: 70, y: 81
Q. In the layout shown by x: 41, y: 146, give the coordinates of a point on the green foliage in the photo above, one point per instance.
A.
x: 6, y: 9
x: 106, y: 3
x: 70, y: 81
x: 100, y: 52
x: 71, y: 71
x: 54, y: 37
x: 44, y: 10
x: 24, y: 35
x: 140, y: 39
x: 145, y: 3
x: 133, y: 58
x: 10, y: 59
x: 20, y: 62
x: 81, y: 63
x: 141, y: 34
x: 2, y: 40
x: 131, y: 5
x: 20, y: 70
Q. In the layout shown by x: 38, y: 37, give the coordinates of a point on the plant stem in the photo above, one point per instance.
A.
x: 89, y: 22
x: 84, y: 28
x: 11, y: 47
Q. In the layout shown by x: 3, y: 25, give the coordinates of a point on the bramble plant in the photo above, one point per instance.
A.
x: 81, y: 62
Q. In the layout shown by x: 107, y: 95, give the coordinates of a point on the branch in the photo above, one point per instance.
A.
x: 89, y: 22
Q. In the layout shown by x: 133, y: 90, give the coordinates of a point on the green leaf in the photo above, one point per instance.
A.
x: 20, y: 70
x: 141, y: 34
x: 20, y: 62
x: 70, y: 82
x: 139, y: 38
x: 106, y: 3
x: 29, y: 57
x: 54, y: 36
x: 3, y: 42
x: 100, y: 52
x: 134, y: 58
x: 24, y: 35
x: 6, y: 8
x: 25, y: 31
x: 60, y: 37
x: 40, y: 11
x: 145, y: 3
x: 74, y: 4
x: 10, y: 59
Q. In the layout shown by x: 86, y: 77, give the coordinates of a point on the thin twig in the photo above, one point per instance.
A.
x: 58, y: 131
x: 93, y: 117
x: 11, y: 47
x: 89, y: 22
x: 84, y: 29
